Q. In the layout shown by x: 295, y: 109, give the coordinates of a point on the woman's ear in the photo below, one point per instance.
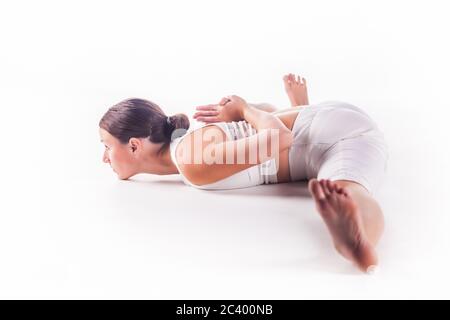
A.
x: 135, y: 144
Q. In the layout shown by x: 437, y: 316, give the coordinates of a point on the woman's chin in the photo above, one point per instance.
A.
x: 123, y: 177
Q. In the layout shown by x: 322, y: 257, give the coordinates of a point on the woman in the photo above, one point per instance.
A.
x: 336, y: 146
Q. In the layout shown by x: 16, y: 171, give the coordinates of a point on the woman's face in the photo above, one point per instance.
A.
x: 118, y: 155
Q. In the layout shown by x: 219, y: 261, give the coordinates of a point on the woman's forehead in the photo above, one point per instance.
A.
x: 105, y: 136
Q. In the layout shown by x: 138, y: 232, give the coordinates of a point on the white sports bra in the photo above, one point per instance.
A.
x: 264, y: 173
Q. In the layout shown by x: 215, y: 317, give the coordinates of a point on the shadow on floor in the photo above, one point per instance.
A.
x: 291, y: 189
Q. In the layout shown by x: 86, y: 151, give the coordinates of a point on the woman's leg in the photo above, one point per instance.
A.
x: 296, y: 90
x: 353, y: 217
x: 267, y: 107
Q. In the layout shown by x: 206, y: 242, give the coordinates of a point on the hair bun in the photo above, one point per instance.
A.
x: 179, y: 121
x: 178, y: 125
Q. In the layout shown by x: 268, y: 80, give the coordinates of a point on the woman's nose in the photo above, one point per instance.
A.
x: 105, y: 158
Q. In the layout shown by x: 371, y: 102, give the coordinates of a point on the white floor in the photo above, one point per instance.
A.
x: 70, y: 229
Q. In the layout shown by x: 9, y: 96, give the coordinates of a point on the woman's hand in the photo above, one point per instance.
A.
x: 230, y: 108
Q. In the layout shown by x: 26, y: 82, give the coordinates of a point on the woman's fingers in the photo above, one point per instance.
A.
x: 208, y: 119
x: 207, y: 107
x: 206, y: 113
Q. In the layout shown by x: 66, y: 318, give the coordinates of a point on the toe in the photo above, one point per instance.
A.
x: 331, y: 185
x: 311, y: 184
x: 335, y: 198
x: 341, y: 192
x: 287, y: 81
x: 324, y: 185
x: 291, y: 77
x: 344, y: 191
x: 316, y: 189
x: 322, y: 202
x: 336, y: 187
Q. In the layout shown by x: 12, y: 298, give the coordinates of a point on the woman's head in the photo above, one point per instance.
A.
x: 136, y: 130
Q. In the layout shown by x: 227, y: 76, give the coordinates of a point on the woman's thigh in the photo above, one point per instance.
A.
x: 362, y: 159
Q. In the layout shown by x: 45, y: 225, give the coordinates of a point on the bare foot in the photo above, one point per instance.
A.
x: 296, y: 90
x: 344, y: 221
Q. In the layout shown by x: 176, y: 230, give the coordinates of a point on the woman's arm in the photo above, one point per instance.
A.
x: 234, y: 108
x: 216, y: 113
x: 222, y: 158
x: 238, y: 109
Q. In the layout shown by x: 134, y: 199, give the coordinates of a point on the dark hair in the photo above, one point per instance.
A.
x: 141, y: 118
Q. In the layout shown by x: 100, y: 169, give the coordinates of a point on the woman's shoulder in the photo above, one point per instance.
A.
x: 192, y: 145
x: 201, y: 135
x: 204, y: 133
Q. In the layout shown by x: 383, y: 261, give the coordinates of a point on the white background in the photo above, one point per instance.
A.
x: 70, y: 229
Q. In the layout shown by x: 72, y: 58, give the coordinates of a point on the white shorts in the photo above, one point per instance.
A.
x: 337, y: 141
